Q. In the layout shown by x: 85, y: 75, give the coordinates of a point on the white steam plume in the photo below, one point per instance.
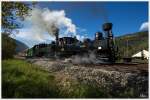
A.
x: 89, y: 58
x: 44, y: 20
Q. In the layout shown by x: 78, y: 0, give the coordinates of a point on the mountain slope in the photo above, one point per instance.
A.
x: 132, y: 43
x: 10, y: 46
x: 20, y: 46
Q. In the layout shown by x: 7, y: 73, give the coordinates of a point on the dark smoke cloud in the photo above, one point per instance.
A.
x: 100, y: 11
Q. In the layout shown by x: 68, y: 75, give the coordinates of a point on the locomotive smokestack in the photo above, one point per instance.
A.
x: 55, y: 31
x: 107, y: 27
x: 57, y: 36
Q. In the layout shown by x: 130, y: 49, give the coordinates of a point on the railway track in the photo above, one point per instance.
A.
x: 140, y: 68
x: 121, y: 67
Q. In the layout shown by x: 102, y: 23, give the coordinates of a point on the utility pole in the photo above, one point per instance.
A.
x: 127, y: 48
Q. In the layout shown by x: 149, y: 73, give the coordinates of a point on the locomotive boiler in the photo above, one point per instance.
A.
x: 103, y: 46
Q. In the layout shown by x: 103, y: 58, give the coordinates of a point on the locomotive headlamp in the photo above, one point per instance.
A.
x: 99, y: 48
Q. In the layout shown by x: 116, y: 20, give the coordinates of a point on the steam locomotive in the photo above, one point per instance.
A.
x: 102, y: 46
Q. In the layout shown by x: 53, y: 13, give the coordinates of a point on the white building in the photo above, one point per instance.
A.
x: 143, y: 53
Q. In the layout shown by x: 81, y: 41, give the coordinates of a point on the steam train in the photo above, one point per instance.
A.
x: 102, y: 46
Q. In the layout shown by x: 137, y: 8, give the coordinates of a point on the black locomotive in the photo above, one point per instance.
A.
x: 102, y: 46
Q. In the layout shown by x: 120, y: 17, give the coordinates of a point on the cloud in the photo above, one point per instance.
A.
x: 80, y: 37
x: 144, y: 26
x: 38, y: 28
x: 45, y: 20
x: 30, y: 38
x: 81, y: 30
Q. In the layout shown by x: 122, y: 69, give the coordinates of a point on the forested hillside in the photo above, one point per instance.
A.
x: 11, y: 46
x: 132, y: 43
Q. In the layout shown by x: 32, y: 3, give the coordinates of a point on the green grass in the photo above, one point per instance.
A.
x: 21, y: 79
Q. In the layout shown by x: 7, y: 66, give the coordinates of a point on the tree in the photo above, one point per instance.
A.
x: 12, y: 15
x: 8, y: 47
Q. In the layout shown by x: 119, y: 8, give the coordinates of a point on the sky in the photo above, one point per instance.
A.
x: 88, y: 17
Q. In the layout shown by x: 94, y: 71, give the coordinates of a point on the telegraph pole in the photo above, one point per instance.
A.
x: 127, y: 49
